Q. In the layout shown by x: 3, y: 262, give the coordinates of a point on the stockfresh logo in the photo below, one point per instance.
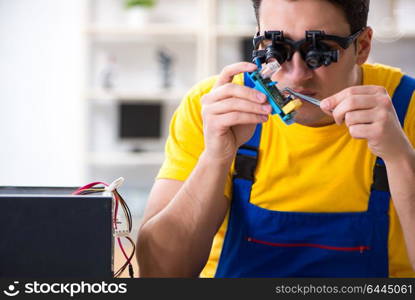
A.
x: 71, y: 289
x: 11, y: 290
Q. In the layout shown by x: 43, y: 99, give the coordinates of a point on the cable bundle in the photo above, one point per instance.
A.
x: 100, y: 187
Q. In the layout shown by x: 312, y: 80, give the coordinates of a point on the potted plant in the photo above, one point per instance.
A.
x: 138, y: 11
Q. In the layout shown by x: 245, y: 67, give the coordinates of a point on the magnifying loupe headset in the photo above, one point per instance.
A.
x: 317, y: 48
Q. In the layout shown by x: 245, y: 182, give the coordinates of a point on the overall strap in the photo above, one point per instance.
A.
x: 402, y: 97
x: 247, y: 155
x: 380, y: 187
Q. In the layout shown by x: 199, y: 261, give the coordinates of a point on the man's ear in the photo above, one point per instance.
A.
x: 364, y: 44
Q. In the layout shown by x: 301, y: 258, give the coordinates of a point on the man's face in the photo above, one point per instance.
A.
x: 294, y: 18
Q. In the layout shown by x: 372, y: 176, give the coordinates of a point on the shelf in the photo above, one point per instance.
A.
x: 404, y: 34
x: 223, y: 31
x: 209, y: 41
x: 409, y: 34
x: 240, y: 31
x: 159, y: 30
x: 126, y: 159
x: 102, y: 95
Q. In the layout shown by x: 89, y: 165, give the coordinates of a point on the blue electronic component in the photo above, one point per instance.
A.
x: 276, y: 99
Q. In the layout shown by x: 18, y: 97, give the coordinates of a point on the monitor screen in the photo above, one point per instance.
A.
x: 140, y: 120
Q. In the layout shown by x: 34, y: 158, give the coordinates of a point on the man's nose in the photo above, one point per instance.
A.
x: 297, y: 71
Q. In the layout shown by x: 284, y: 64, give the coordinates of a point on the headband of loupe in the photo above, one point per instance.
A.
x: 315, y: 48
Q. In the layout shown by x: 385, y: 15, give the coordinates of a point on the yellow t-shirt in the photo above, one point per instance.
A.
x: 311, y: 169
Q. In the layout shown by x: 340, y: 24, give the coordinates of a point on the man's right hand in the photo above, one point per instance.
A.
x: 230, y: 113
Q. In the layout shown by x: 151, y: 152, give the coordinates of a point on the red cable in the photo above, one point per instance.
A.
x: 115, y: 212
x: 123, y: 251
x: 89, y: 186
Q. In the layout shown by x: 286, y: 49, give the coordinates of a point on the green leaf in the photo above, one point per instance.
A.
x: 143, y: 3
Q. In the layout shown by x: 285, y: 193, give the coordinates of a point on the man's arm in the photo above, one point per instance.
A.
x: 181, y: 219
x: 401, y: 176
x: 369, y: 114
x: 176, y: 241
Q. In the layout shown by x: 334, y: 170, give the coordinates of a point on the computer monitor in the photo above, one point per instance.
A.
x: 48, y: 233
x: 140, y: 124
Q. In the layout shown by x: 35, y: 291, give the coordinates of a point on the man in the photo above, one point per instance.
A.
x: 297, y: 200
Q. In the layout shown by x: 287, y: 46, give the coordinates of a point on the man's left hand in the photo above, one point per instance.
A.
x: 369, y: 114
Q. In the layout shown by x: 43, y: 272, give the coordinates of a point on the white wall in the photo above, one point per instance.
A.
x: 41, y: 79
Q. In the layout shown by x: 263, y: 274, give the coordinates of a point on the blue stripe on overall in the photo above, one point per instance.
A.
x: 265, y: 243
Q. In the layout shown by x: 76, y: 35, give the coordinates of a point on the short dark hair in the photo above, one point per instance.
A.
x: 356, y: 12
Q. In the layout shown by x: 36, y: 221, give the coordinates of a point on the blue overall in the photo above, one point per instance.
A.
x: 265, y: 243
